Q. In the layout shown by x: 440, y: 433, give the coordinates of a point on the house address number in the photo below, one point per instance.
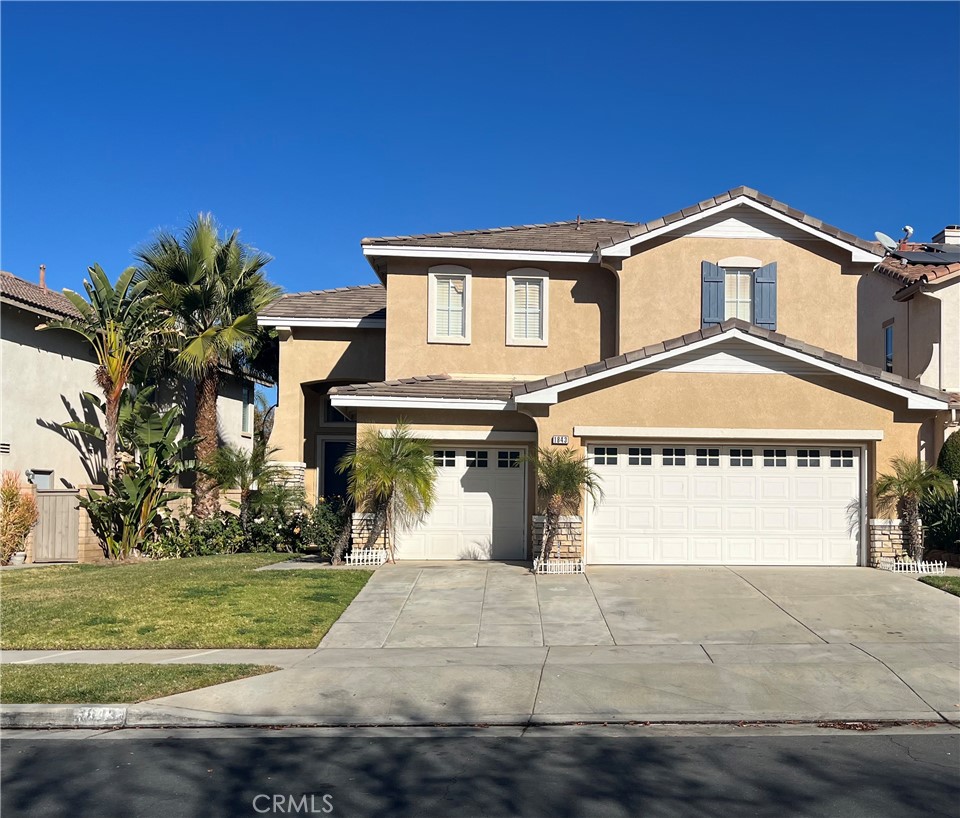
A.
x: 559, y: 440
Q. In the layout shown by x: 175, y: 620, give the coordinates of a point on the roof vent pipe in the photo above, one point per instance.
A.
x: 43, y: 276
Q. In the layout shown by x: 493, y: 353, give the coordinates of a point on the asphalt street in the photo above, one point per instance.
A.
x: 600, y: 773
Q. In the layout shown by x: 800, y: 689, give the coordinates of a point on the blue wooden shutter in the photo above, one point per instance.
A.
x: 712, y: 293
x: 765, y: 297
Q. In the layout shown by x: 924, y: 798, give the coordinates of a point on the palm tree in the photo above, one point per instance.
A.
x: 562, y: 479
x: 123, y: 324
x: 393, y: 478
x: 214, y: 286
x: 912, y: 481
x: 249, y: 471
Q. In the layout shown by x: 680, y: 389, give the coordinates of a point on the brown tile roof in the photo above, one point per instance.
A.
x: 361, y: 301
x: 750, y: 329
x: 32, y: 295
x: 431, y: 386
x: 904, y: 272
x: 602, y: 233
x: 566, y: 236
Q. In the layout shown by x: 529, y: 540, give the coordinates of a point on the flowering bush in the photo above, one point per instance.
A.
x: 18, y: 514
x: 326, y: 524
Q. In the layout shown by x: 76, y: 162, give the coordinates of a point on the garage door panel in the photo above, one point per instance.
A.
x: 755, y: 504
x: 476, y: 517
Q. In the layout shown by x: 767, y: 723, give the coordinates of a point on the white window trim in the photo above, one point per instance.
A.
x: 751, y: 266
x: 544, y: 278
x: 447, y: 270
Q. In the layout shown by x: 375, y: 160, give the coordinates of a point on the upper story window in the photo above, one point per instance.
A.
x: 449, y: 304
x: 888, y: 347
x: 527, y: 302
x: 246, y: 419
x: 739, y: 287
x: 738, y: 293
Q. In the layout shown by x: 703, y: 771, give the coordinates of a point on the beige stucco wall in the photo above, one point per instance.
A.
x: 41, y: 377
x: 738, y: 401
x: 311, y: 361
x: 581, y: 315
x: 660, y: 292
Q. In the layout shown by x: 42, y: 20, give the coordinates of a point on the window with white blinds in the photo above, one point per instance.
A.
x: 527, y: 309
x: 449, y: 304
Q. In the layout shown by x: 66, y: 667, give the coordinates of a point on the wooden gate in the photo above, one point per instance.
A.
x: 56, y: 535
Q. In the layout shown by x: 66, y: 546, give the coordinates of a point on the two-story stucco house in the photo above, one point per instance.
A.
x: 721, y: 366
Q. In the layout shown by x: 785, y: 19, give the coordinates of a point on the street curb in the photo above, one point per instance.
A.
x: 115, y: 716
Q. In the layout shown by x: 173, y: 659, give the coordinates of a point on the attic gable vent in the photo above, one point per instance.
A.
x: 4, y: 448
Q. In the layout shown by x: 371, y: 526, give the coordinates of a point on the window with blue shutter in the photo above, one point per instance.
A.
x: 711, y: 293
x: 765, y: 297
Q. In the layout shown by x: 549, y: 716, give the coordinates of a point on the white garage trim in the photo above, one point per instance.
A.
x: 457, y: 434
x: 726, y: 434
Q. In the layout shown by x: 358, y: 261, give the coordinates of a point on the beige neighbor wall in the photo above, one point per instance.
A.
x: 660, y: 293
x: 581, y: 321
x: 876, y: 307
x: 311, y: 361
x: 42, y: 375
x: 740, y: 401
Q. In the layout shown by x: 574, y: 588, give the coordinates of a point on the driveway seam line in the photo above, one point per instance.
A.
x: 405, y: 601
x: 606, y: 624
x: 704, y: 649
x: 483, y: 604
x: 777, y: 605
x: 536, y: 695
x: 536, y: 592
x: 899, y: 677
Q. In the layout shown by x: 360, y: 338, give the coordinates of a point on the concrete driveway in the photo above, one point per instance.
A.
x: 459, y: 605
x: 478, y: 642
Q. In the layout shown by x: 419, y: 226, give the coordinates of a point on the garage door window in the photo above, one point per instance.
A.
x: 841, y: 458
x: 808, y: 458
x: 708, y: 457
x: 605, y: 455
x: 639, y: 456
x: 775, y: 458
x: 741, y: 457
x: 442, y: 457
x: 674, y: 457
x: 476, y: 459
x: 508, y: 460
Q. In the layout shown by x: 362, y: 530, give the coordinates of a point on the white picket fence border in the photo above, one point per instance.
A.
x: 366, y: 556
x: 557, y: 566
x: 912, y: 567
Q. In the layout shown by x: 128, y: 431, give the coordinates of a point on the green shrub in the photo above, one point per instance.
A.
x: 941, y: 523
x: 949, y: 460
x: 190, y: 536
x: 326, y: 523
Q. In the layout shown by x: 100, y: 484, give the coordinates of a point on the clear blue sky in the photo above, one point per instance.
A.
x: 309, y: 126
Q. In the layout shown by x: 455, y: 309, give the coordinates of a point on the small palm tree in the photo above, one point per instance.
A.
x: 563, y: 477
x: 249, y: 471
x: 912, y: 481
x: 123, y: 324
x: 213, y: 286
x: 393, y: 478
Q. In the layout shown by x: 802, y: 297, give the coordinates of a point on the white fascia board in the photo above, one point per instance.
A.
x: 551, y: 394
x: 372, y: 402
x: 644, y: 432
x: 468, y: 253
x: 353, y: 323
x: 491, y: 436
x: 624, y: 248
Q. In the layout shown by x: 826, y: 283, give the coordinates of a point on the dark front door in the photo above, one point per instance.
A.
x: 333, y: 483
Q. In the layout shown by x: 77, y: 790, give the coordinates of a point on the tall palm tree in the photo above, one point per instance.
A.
x: 214, y: 286
x: 912, y: 481
x: 562, y: 479
x: 124, y: 325
x: 393, y: 478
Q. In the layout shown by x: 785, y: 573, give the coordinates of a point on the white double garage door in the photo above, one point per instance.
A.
x: 745, y: 504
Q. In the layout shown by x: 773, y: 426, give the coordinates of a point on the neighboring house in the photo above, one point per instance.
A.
x: 911, y: 312
x: 43, y: 376
x: 708, y: 362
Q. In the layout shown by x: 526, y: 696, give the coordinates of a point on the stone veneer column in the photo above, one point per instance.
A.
x: 362, y: 532
x: 568, y: 542
x: 886, y: 541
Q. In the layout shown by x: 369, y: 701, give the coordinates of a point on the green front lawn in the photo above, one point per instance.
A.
x: 201, y: 602
x: 950, y: 584
x: 112, y: 684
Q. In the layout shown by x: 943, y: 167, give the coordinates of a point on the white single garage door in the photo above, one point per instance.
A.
x: 479, y: 512
x: 761, y: 504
